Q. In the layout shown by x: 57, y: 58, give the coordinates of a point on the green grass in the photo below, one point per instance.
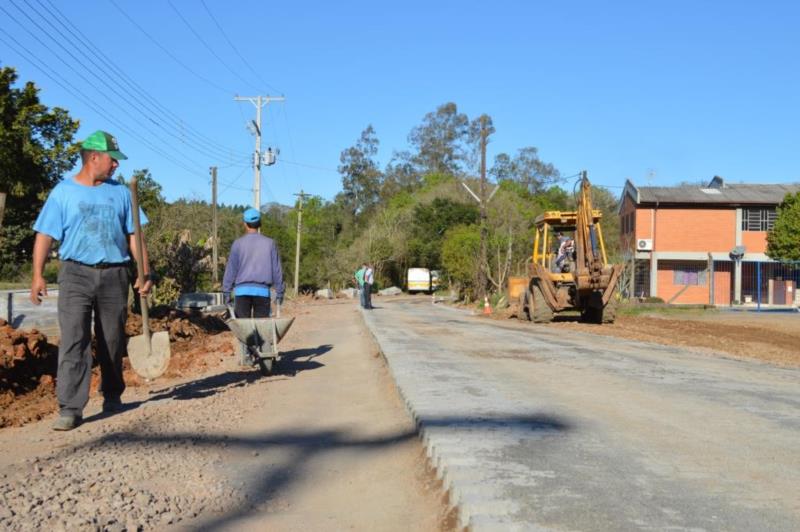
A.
x: 12, y: 285
x: 639, y: 309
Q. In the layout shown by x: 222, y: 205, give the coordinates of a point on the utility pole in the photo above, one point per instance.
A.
x: 301, y: 197
x: 484, y: 227
x: 482, y: 202
x: 259, y: 102
x: 214, y: 241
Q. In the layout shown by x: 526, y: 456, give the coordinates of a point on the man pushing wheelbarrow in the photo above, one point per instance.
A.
x: 253, y: 268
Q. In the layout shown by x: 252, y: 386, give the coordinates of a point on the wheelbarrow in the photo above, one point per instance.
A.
x: 259, y: 337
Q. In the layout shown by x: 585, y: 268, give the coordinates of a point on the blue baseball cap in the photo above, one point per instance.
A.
x: 251, y: 216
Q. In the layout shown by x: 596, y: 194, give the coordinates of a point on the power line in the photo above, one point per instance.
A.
x: 84, y: 67
x: 170, y: 54
x: 81, y: 39
x: 46, y: 70
x: 254, y: 71
x: 108, y: 62
x: 310, y: 166
x: 230, y: 185
x: 289, y: 134
x: 204, y: 43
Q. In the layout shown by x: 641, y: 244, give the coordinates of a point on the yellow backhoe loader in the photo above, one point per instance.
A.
x: 569, y: 268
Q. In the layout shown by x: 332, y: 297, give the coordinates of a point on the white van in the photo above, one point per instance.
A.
x: 418, y: 280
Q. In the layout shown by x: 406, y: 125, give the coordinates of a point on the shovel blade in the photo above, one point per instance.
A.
x: 149, y: 361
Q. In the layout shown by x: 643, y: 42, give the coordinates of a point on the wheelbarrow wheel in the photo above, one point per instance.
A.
x: 264, y: 366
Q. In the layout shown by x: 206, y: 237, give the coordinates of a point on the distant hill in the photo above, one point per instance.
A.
x: 273, y: 206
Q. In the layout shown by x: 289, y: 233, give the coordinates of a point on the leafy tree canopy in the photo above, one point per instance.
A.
x: 36, y: 147
x: 440, y: 141
x: 361, y: 177
x: 525, y: 168
x: 783, y: 241
x: 151, y: 200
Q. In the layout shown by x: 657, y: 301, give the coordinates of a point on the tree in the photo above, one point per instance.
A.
x: 525, y: 168
x: 460, y: 251
x: 36, y: 149
x: 361, y: 178
x: 399, y: 176
x: 151, y: 200
x: 783, y: 240
x: 604, y: 200
x: 440, y: 141
x: 431, y: 221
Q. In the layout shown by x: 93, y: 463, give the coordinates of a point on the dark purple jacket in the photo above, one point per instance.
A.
x: 254, y: 261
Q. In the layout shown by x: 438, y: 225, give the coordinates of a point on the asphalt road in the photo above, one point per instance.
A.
x: 531, y: 427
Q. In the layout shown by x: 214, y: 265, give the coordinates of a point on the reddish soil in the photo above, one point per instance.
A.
x: 28, y: 360
x: 770, y: 337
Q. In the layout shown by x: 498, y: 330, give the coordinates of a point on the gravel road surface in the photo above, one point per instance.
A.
x: 533, y: 427
x: 325, y: 445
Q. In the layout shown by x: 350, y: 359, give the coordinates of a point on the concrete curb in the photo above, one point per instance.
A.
x: 472, y: 491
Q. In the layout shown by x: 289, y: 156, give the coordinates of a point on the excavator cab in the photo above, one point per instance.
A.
x: 569, y: 267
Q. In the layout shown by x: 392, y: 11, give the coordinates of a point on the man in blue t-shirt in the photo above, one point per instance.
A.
x: 90, y: 215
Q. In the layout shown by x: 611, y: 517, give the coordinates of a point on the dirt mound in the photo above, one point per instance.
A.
x: 27, y: 370
x: 28, y: 361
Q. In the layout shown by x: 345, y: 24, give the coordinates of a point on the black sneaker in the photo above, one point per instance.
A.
x: 67, y: 422
x: 111, y: 405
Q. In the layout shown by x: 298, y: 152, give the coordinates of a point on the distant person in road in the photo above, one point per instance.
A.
x: 254, y: 266
x: 369, y: 280
x: 359, y: 277
x: 91, y: 216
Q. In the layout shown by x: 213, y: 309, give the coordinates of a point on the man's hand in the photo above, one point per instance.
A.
x: 144, y: 290
x: 226, y: 298
x: 38, y: 290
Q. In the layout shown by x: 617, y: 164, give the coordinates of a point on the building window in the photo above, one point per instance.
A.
x: 694, y: 277
x: 758, y: 219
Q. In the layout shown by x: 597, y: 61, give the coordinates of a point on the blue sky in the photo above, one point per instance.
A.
x: 657, y: 92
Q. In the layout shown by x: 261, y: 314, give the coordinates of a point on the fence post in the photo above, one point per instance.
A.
x: 758, y: 285
x: 10, y: 307
x: 711, y: 298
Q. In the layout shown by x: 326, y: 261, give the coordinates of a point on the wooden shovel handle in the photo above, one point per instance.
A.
x: 137, y: 235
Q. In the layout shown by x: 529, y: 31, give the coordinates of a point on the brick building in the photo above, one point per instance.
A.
x: 694, y: 244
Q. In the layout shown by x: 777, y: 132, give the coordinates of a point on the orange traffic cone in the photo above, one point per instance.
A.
x: 487, y: 308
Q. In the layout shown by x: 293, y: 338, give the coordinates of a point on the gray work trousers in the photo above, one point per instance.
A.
x: 83, y: 291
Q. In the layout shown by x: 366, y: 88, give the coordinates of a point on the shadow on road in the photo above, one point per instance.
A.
x: 297, y: 360
x: 292, y: 363
x: 265, y: 482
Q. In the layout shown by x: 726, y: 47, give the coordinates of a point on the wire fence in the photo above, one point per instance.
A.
x: 721, y: 283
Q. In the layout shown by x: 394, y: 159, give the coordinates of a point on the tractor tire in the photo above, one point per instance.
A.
x: 593, y: 311
x: 540, y: 311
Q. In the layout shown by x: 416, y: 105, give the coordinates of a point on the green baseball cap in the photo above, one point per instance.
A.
x: 105, y: 142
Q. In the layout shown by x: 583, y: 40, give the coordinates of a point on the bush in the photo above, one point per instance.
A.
x: 166, y: 292
x: 51, y: 271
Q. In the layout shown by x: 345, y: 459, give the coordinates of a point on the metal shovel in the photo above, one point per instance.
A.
x: 149, y: 353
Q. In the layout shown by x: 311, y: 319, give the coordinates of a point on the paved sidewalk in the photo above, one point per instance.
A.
x: 467, y: 428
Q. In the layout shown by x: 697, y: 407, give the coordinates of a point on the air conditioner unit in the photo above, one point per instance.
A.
x: 644, y: 244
